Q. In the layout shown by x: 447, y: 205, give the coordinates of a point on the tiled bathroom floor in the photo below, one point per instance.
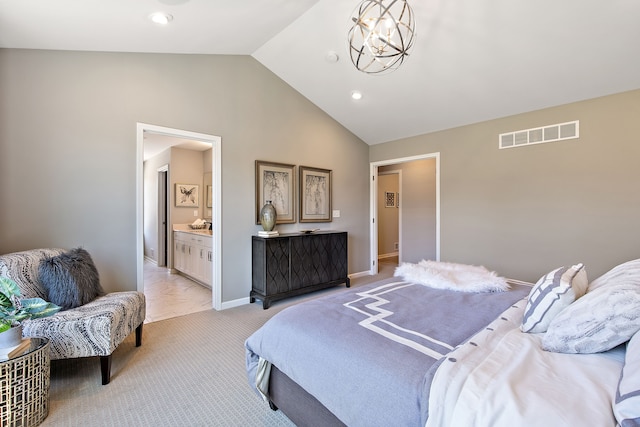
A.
x: 171, y: 295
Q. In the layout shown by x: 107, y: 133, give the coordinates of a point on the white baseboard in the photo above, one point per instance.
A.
x: 234, y: 303
x: 360, y: 274
x: 389, y: 255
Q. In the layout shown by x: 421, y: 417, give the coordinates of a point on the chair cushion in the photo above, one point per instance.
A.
x: 94, y: 329
x: 70, y: 278
x: 22, y: 268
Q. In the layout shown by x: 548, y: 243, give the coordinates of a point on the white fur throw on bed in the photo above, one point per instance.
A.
x: 452, y: 276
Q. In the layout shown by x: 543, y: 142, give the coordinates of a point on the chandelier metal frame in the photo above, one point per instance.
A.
x: 382, y: 35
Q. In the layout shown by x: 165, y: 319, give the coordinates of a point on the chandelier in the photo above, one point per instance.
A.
x: 381, y: 36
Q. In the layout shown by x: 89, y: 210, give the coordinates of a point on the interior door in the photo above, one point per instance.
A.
x: 162, y: 216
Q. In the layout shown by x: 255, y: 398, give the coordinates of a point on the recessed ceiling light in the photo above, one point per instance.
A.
x: 160, y: 18
x: 332, y: 57
x: 356, y: 95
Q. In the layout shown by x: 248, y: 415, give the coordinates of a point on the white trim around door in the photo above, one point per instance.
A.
x: 216, y: 178
x: 373, y: 197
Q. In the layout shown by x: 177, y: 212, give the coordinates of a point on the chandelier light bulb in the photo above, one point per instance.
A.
x: 382, y: 35
x: 389, y: 23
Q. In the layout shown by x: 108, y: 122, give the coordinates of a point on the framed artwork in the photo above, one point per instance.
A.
x: 276, y: 182
x: 187, y: 195
x: 315, y: 194
x: 389, y: 199
x: 209, y: 198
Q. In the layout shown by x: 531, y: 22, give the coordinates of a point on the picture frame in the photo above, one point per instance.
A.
x: 209, y: 196
x: 187, y: 195
x: 315, y: 194
x: 276, y: 182
x: 389, y: 199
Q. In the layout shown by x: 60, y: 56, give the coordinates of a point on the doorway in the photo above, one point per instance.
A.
x: 419, y: 208
x: 216, y: 209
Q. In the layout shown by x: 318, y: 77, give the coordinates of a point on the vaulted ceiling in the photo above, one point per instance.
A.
x: 473, y: 60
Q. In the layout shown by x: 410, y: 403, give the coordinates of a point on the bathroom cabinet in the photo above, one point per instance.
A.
x: 193, y: 255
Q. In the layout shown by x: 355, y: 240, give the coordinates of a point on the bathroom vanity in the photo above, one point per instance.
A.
x: 193, y: 254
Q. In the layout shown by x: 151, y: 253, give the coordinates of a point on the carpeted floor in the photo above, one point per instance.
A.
x: 189, y: 371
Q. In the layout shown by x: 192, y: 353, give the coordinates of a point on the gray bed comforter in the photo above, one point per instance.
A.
x: 369, y: 354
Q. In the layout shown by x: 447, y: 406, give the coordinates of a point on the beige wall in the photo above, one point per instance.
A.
x: 68, y: 151
x: 523, y: 211
x: 186, y: 167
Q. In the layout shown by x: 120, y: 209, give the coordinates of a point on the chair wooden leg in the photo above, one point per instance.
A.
x: 139, y: 335
x: 105, y: 361
x: 105, y: 367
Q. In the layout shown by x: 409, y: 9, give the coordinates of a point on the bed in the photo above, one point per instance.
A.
x: 407, y: 352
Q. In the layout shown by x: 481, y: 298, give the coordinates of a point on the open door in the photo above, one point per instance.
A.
x: 163, y: 200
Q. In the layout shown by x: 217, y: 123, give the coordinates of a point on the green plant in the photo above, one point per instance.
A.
x: 14, y: 310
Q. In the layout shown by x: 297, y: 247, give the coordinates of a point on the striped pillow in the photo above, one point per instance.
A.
x: 554, y: 292
x: 627, y: 405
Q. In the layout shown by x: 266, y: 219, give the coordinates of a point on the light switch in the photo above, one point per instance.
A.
x: 195, y: 213
x: 336, y: 214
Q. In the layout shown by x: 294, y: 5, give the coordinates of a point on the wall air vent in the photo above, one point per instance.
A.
x: 550, y: 133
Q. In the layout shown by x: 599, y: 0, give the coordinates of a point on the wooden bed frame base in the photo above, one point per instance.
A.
x: 299, y: 406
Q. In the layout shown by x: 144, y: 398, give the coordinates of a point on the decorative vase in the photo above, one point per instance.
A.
x: 11, y: 337
x: 268, y: 216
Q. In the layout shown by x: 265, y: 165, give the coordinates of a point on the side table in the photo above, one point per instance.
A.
x: 24, y: 386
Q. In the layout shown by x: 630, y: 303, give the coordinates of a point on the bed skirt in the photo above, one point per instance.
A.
x: 299, y: 406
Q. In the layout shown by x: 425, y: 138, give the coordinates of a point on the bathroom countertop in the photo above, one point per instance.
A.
x: 185, y: 228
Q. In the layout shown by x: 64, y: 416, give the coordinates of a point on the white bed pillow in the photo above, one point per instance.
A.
x: 628, y: 271
x: 600, y: 320
x: 554, y: 292
x: 627, y: 404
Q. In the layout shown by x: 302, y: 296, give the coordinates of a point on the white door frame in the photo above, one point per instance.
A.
x: 373, y: 209
x: 216, y: 217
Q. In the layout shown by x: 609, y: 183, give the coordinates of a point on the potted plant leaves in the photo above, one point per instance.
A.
x: 14, y: 310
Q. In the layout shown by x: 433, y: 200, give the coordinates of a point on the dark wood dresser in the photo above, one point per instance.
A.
x: 297, y: 263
